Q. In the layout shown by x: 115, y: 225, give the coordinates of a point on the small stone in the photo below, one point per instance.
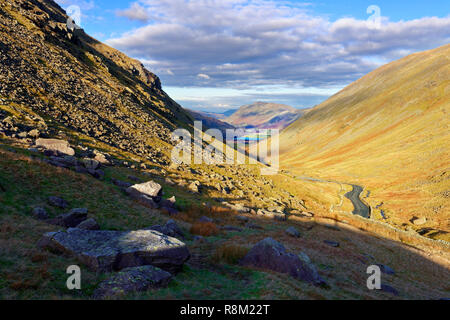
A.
x: 33, y: 133
x: 250, y: 225
x: 419, y: 221
x: 386, y: 269
x: 57, y: 202
x: 231, y: 228
x: 90, y: 164
x: 242, y: 218
x: 40, y: 213
x: 89, y: 224
x: 387, y: 288
x: 331, y: 243
x: 293, y: 232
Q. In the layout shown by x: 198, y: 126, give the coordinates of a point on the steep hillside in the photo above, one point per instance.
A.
x: 389, y: 132
x: 264, y: 115
x: 59, y: 80
x: 210, y: 122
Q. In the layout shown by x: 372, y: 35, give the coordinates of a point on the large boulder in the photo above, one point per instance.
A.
x: 150, y: 189
x: 272, y: 255
x: 105, y: 250
x: 131, y: 280
x: 55, y: 145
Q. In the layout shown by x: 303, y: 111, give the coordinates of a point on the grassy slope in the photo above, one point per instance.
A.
x: 388, y: 131
x: 28, y: 272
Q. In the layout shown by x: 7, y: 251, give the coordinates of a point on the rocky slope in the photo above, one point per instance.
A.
x: 103, y: 194
x: 53, y: 79
x: 209, y: 121
x: 264, y: 115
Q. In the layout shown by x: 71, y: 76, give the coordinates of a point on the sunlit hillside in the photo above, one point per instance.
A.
x: 388, y: 132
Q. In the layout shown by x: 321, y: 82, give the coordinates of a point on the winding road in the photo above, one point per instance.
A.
x: 360, y: 208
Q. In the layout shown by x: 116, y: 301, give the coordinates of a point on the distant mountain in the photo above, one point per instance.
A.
x: 218, y: 115
x: 210, y: 121
x: 264, y: 115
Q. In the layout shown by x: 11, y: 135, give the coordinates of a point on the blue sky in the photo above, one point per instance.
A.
x: 220, y: 54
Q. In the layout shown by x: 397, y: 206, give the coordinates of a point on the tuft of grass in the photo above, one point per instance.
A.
x: 229, y: 253
x: 204, y: 229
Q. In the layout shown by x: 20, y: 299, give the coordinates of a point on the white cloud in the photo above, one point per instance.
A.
x: 203, y: 76
x: 250, y: 43
x: 135, y: 12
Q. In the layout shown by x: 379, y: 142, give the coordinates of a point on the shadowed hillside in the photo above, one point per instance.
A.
x: 389, y: 132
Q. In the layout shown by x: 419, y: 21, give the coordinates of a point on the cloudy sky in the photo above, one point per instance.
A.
x: 220, y: 54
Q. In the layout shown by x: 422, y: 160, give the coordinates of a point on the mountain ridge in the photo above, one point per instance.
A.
x: 386, y: 131
x: 264, y: 115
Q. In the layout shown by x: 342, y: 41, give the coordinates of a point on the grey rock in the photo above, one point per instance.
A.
x: 150, y: 188
x: 194, y: 187
x: 170, y: 229
x: 250, y: 225
x: 293, y: 232
x: 272, y: 215
x: 331, y: 243
x: 98, y: 174
x: 272, y: 255
x: 129, y: 280
x: 242, y: 218
x: 419, y: 221
x: 387, y: 288
x: 71, y: 219
x: 57, y: 202
x: 121, y: 184
x: 231, y: 228
x: 34, y: 133
x: 58, y: 146
x: 89, y: 224
x: 104, y: 250
x: 91, y: 164
x: 40, y: 213
x: 386, y: 269
x: 147, y: 201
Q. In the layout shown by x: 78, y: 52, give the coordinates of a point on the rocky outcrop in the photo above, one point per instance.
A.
x: 105, y: 250
x: 59, y: 147
x: 132, y: 280
x: 272, y: 255
x: 150, y: 189
x: 94, y: 90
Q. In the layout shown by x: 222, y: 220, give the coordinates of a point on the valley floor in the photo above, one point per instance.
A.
x: 212, y: 271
